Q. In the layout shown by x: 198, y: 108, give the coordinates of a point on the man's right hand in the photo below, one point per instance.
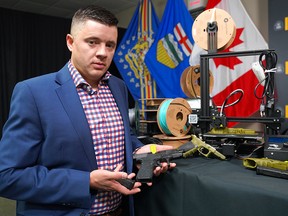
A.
x: 107, y: 180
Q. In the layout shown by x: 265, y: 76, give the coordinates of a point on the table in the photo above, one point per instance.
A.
x: 204, y: 187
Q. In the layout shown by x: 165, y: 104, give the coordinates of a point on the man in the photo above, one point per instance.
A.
x: 68, y: 139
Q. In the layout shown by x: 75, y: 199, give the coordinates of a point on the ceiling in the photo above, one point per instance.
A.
x: 65, y: 8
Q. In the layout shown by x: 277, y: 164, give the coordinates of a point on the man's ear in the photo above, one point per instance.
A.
x: 69, y: 41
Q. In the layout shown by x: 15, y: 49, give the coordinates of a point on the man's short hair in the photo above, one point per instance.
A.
x: 95, y: 13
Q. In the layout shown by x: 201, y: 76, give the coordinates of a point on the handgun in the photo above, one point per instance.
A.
x: 203, y: 148
x: 149, y: 161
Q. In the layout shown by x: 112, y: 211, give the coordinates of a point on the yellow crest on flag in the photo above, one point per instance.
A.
x: 168, y: 52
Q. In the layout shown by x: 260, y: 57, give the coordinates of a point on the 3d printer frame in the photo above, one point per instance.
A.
x: 207, y: 116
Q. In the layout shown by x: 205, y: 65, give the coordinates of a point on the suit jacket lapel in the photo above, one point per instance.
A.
x: 69, y: 97
x: 118, y: 93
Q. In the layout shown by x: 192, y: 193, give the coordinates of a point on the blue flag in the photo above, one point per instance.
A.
x: 130, y: 54
x: 169, y: 55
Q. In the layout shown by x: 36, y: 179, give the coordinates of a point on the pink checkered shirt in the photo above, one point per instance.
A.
x: 107, y: 132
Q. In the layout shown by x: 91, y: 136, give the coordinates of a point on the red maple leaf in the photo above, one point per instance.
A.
x: 230, y: 62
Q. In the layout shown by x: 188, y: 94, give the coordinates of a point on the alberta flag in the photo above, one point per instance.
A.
x: 235, y: 72
x: 169, y: 55
x: 130, y: 54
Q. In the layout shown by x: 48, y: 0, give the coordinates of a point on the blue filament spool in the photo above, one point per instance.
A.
x: 172, y: 117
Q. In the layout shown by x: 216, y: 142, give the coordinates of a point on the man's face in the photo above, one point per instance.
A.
x: 92, y: 49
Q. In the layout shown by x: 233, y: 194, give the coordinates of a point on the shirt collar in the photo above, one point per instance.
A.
x: 80, y: 81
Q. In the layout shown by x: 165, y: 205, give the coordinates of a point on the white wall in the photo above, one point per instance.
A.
x: 257, y: 10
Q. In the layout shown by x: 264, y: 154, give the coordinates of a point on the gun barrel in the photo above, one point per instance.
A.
x: 272, y: 172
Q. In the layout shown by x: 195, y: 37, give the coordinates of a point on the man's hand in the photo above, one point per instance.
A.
x: 107, y: 180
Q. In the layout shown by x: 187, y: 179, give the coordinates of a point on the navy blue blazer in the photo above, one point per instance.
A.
x: 46, y: 152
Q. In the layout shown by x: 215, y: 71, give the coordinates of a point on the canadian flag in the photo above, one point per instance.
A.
x: 235, y: 72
